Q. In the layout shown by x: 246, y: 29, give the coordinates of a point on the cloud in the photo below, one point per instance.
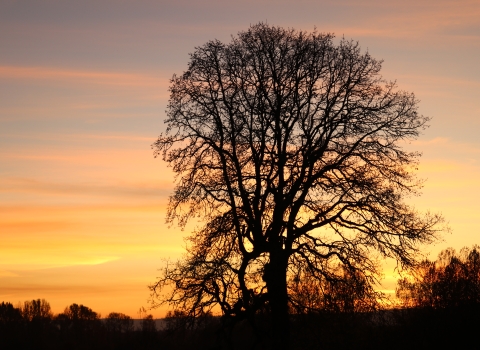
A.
x: 80, y: 137
x: 30, y: 185
x: 83, y: 76
x: 42, y: 255
x: 448, y: 151
x: 5, y: 273
x: 79, y: 97
x: 15, y: 227
x: 128, y: 23
x: 441, y: 82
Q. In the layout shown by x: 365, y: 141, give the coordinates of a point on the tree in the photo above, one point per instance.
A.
x: 453, y: 280
x: 9, y: 314
x: 79, y: 324
x: 11, y: 326
x: 38, y: 316
x: 288, y: 150
x: 80, y: 312
x: 36, y: 310
x: 148, y: 324
x: 117, y: 322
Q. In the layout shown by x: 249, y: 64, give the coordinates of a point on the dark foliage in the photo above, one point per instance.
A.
x: 119, y: 323
x: 11, y: 325
x: 453, y: 280
x: 33, y: 326
x: 412, y: 328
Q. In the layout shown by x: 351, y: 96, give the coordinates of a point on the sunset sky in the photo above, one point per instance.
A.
x: 83, y: 92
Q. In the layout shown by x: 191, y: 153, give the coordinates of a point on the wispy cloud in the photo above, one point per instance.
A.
x: 82, y: 76
x: 30, y: 185
x: 35, y: 225
x: 49, y: 136
x: 50, y: 251
x: 5, y: 273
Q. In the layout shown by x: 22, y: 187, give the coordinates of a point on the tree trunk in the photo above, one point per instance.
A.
x: 278, y: 299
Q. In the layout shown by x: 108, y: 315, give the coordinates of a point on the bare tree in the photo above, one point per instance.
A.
x: 117, y: 322
x: 76, y: 312
x: 36, y: 309
x: 453, y: 280
x: 288, y: 147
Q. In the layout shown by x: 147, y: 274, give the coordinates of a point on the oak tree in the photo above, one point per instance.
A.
x: 287, y: 147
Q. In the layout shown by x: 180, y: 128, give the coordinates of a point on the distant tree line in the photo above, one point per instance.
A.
x: 34, y: 326
x: 438, y: 303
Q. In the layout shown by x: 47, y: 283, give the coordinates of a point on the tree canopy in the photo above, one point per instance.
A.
x: 288, y: 148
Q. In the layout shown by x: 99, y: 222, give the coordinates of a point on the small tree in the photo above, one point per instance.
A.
x: 288, y: 148
x: 79, y: 324
x: 36, y: 310
x: 148, y: 324
x: 80, y: 312
x: 117, y: 322
x: 11, y: 326
x: 9, y: 314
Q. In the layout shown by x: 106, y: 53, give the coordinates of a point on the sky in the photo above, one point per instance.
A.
x: 83, y: 93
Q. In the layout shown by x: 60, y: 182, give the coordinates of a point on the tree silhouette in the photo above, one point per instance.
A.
x: 38, y: 316
x: 148, y: 324
x: 117, y: 322
x: 80, y: 312
x: 11, y: 326
x: 36, y: 309
x: 287, y: 147
x: 9, y: 313
x: 451, y: 281
x: 79, y: 325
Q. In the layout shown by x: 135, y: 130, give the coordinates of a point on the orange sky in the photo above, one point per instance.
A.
x: 83, y: 89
